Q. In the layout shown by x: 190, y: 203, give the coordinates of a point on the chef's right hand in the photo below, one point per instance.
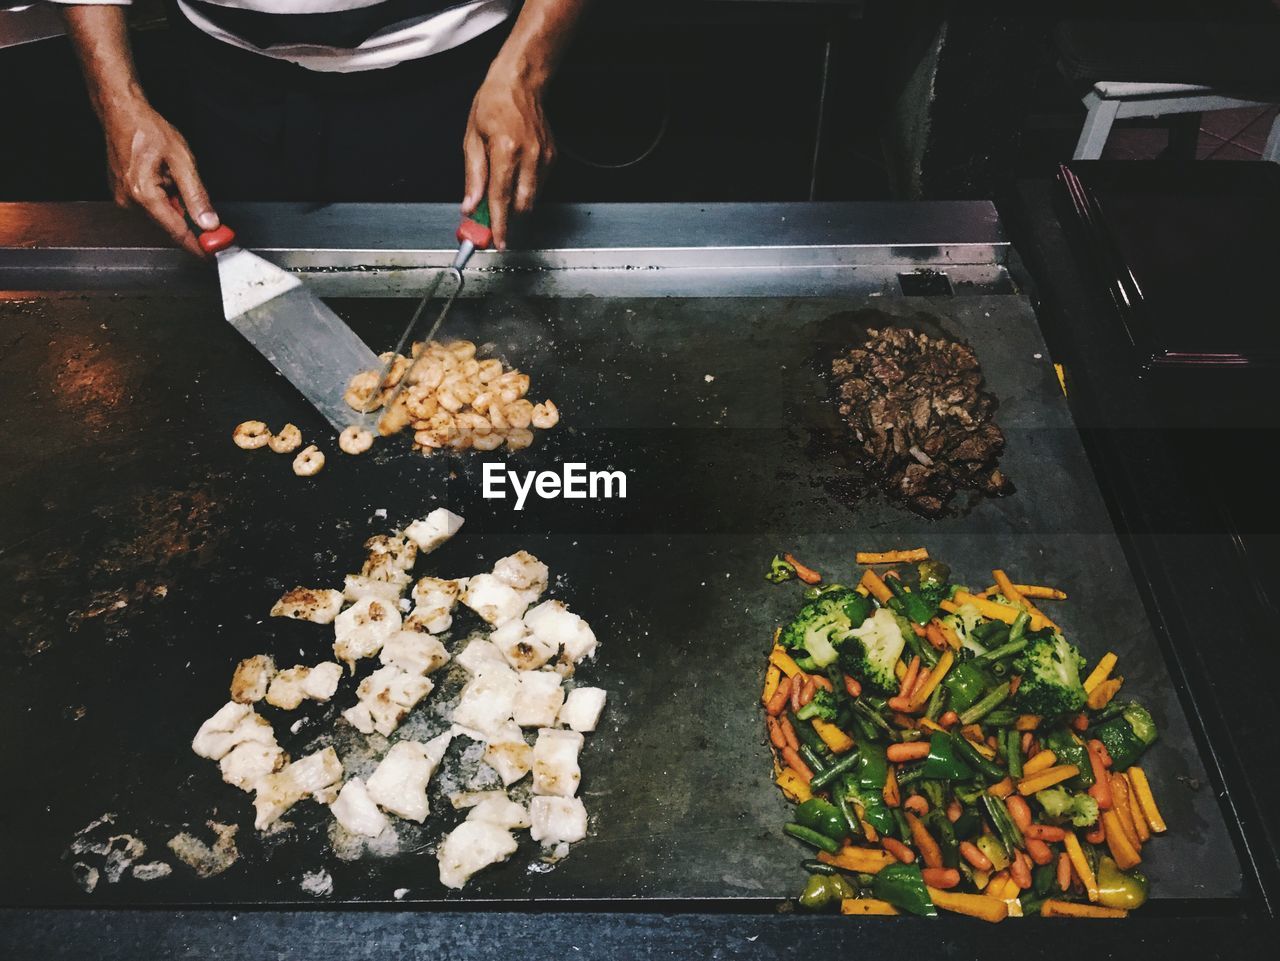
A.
x: 147, y: 159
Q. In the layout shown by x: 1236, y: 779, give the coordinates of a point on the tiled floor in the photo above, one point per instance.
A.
x: 1224, y: 135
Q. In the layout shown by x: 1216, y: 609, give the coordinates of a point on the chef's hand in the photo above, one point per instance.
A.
x: 147, y: 159
x: 507, y: 148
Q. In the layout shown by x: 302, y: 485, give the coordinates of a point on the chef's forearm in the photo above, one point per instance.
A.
x: 538, y: 40
x: 100, y: 35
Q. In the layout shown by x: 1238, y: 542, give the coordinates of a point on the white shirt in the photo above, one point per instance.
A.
x: 409, y: 39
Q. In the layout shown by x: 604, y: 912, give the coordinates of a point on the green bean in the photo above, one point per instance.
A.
x: 1013, y: 752
x: 819, y: 867
x: 811, y: 758
x: 823, y: 778
x: 802, y: 833
x: 998, y: 695
x: 1001, y: 652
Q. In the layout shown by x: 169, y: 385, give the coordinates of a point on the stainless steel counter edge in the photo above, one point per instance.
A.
x: 349, y: 236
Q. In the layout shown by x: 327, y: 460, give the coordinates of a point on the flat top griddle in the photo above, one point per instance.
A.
x: 120, y: 484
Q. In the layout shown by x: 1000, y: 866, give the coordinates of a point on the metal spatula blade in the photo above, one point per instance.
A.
x: 304, y: 340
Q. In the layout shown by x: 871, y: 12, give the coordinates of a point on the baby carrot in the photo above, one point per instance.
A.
x: 1038, y: 851
x: 1064, y: 871
x: 789, y: 732
x: 1101, y: 790
x: 929, y: 850
x: 806, y: 574
x: 973, y: 854
x: 780, y: 697
x: 917, y: 805
x: 796, y: 763
x: 898, y: 849
x: 910, y: 751
x: 1020, y: 811
x: 776, y: 737
x: 852, y: 686
x: 944, y: 878
x: 1043, y: 832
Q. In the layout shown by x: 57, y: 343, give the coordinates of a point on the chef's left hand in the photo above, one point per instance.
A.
x: 507, y: 148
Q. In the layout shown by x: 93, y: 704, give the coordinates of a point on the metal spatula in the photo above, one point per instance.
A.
x: 290, y: 326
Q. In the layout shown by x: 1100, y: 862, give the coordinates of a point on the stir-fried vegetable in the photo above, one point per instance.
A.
x: 947, y: 751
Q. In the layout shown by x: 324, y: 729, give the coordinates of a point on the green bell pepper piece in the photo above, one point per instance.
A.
x: 1126, y: 737
x: 913, y: 606
x: 779, y: 571
x: 943, y: 764
x: 1068, y: 749
x: 868, y: 783
x: 965, y: 684
x: 903, y: 886
x: 1117, y: 889
x: 821, y: 816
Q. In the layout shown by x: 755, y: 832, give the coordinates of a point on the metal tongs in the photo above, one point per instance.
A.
x: 473, y: 234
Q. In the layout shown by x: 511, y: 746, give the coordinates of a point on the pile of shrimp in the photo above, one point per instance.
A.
x: 452, y: 400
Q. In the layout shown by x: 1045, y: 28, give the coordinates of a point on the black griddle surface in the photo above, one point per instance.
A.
x: 119, y: 483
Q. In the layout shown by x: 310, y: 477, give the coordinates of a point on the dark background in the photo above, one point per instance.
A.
x: 923, y: 99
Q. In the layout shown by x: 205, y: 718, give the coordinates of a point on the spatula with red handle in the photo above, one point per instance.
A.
x: 304, y: 340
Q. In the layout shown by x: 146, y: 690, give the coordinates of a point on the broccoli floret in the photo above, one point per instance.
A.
x: 963, y: 623
x: 1060, y: 803
x: 873, y: 649
x: 824, y: 623
x: 1050, y: 669
x: 823, y: 706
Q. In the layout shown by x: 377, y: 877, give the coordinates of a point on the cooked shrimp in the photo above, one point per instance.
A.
x: 519, y: 413
x: 420, y: 400
x: 398, y: 367
x: 497, y: 416
x: 287, y: 441
x: 471, y: 421
x: 461, y: 440
x: 512, y: 385
x: 447, y: 399
x: 518, y: 438
x: 463, y: 350
x: 491, y: 441
x: 488, y: 370
x: 362, y: 390
x: 427, y: 374
x: 546, y: 415
x: 355, y: 440
x: 481, y: 402
x: 396, y: 417
x: 251, y: 435
x: 309, y: 462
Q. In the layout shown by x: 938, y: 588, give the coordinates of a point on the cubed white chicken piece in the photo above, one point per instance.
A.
x: 582, y: 708
x: 362, y: 629
x: 399, y: 784
x: 396, y: 546
x: 320, y: 605
x: 415, y: 653
x: 384, y: 568
x: 521, y: 649
x: 434, y: 600
x: 287, y: 688
x: 538, y: 698
x: 434, y: 529
x: 436, y: 591
x: 356, y: 811
x: 232, y: 724
x: 554, y: 624
x: 471, y: 846
x: 321, y: 682
x: 480, y: 656
x: 493, y: 600
x: 252, y: 678
x: 486, y: 701
x: 316, y: 775
x: 245, y: 763
x: 557, y: 820
x: 555, y: 762
x: 499, y: 809
x: 508, y: 753
x: 523, y: 572
x: 385, y: 697
x: 357, y: 587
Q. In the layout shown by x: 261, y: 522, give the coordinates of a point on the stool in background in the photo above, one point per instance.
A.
x: 1110, y: 101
